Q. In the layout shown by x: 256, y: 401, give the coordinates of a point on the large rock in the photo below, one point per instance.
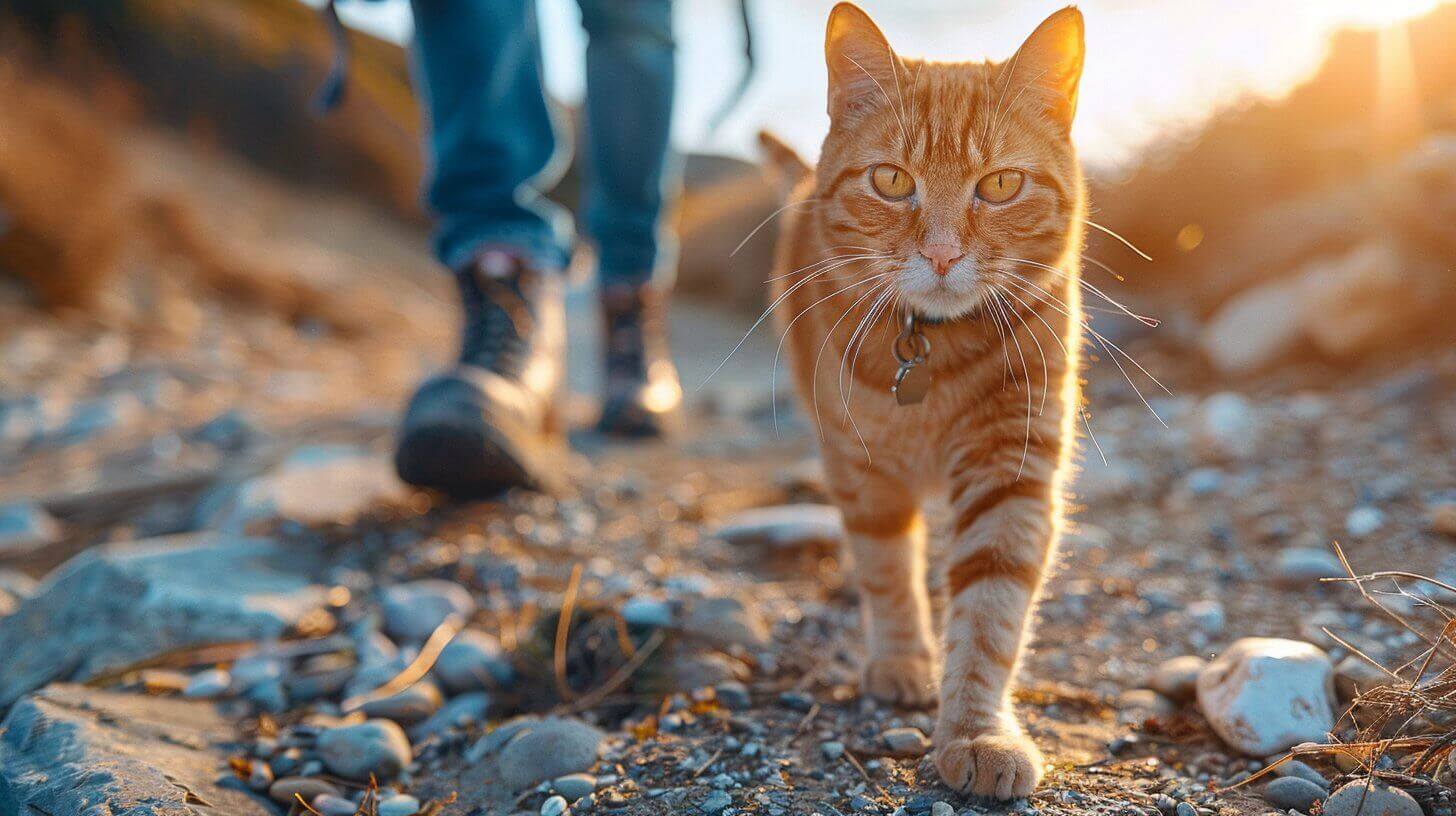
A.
x: 115, y: 605
x: 1264, y: 695
x: 546, y: 749
x: 1367, y: 798
x: 314, y: 485
x: 72, y: 750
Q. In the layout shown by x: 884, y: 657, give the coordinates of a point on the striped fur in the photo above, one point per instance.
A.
x: 996, y: 431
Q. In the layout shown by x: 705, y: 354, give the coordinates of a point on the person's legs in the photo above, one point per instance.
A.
x: 491, y: 142
x: 630, y: 175
x: 482, y: 426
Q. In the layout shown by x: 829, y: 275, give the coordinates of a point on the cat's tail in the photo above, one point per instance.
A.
x: 784, y: 165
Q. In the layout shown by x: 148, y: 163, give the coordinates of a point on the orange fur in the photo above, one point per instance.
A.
x: 995, y: 433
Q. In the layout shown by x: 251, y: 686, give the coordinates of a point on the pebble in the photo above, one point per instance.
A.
x: 715, y: 803
x: 725, y: 622
x: 1140, y: 704
x: 209, y: 683
x: 1363, y: 521
x: 1185, y: 809
x: 1226, y: 427
x: 1292, y: 792
x: 1264, y: 695
x: 268, y: 696
x: 1208, y: 616
x: 1300, y: 567
x: 458, y: 712
x: 640, y: 610
x: 1301, y: 770
x: 942, y: 809
x: 399, y: 804
x: 788, y: 526
x: 412, y: 705
x: 734, y: 695
x: 554, y: 806
x: 796, y: 700
x: 413, y: 611
x: 377, y: 747
x: 329, y: 805
x: 832, y: 749
x: 1442, y: 518
x: 1354, y: 674
x: 260, y: 776
x: 574, y: 786
x: 26, y: 526
x: 1177, y: 678
x: 906, y: 741
x: 1378, y: 800
x: 284, y: 789
x: 472, y: 661
x: 547, y: 749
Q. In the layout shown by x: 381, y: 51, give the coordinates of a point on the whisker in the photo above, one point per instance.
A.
x: 829, y: 335
x: 1151, y: 322
x: 764, y: 222
x: 1089, y: 222
x: 999, y: 291
x: 868, y: 321
x: 1026, y: 375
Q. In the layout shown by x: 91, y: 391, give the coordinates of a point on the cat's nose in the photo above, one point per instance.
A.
x: 942, y: 256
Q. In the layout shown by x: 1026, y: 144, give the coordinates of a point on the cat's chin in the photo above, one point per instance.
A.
x: 944, y: 305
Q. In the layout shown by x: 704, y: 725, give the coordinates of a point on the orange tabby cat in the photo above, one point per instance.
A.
x: 947, y: 194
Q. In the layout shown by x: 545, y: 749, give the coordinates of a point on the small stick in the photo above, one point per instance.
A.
x: 704, y: 766
x: 854, y: 760
x: 616, y: 680
x: 418, y: 668
x: 563, y: 628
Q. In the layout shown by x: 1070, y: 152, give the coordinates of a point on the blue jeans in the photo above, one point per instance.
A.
x: 493, y: 145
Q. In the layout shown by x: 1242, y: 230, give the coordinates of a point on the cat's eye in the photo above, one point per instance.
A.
x: 1000, y: 186
x: 891, y: 181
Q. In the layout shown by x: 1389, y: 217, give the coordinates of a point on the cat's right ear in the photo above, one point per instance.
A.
x: 861, y: 63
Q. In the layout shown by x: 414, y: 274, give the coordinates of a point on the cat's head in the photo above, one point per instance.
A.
x: 953, y: 175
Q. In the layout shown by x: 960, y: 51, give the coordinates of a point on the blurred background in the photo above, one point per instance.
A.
x: 214, y: 300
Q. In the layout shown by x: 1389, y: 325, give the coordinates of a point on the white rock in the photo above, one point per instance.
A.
x: 1363, y: 521
x: 1264, y: 695
x: 789, y: 525
x: 1253, y: 330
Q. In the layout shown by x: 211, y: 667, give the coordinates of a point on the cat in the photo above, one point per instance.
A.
x: 934, y: 253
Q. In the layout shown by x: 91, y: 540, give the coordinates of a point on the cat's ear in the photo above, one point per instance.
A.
x: 1051, y: 60
x: 861, y: 63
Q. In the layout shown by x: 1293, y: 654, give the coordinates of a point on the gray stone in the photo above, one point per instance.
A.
x: 789, y: 525
x: 734, y: 695
x: 457, y: 712
x: 73, y: 750
x: 472, y: 661
x: 1207, y: 615
x: 414, y: 704
x: 1136, y: 705
x: 1370, y: 798
x: 832, y: 749
x: 289, y: 788
x: 329, y: 805
x: 724, y: 623
x: 314, y: 485
x: 1302, y: 770
x: 694, y: 670
x: 942, y: 809
x: 574, y: 786
x: 1293, y: 793
x: 118, y: 604
x: 548, y: 748
x: 715, y: 802
x: 554, y: 806
x: 1226, y: 427
x: 399, y: 804
x: 906, y: 741
x: 1177, y: 678
x: 414, y: 610
x: 1301, y: 567
x: 208, y: 683
x: 1264, y: 695
x: 25, y: 527
x: 647, y: 612
x: 1364, y: 521
x: 375, y: 747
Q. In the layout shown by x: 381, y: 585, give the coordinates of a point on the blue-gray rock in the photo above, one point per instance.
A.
x: 414, y: 704
x: 1370, y: 798
x: 715, y: 802
x: 1363, y: 521
x: 399, y: 804
x: 906, y: 741
x: 117, y: 604
x: 329, y: 805
x: 574, y: 786
x: 208, y: 683
x: 414, y: 610
x: 287, y: 790
x: 1303, y: 567
x: 473, y: 661
x: 377, y: 747
x: 1293, y: 793
x: 554, y: 806
x: 725, y: 622
x: 1301, y: 770
x: 458, y: 712
x: 25, y: 527
x: 74, y: 750
x: 647, y: 612
x: 546, y: 749
x: 324, y: 484
x: 734, y: 695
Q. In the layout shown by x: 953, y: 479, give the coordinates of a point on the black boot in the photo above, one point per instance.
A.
x: 641, y: 394
x: 485, y: 425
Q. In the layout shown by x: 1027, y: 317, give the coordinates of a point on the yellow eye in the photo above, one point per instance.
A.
x: 891, y: 181
x: 1000, y: 186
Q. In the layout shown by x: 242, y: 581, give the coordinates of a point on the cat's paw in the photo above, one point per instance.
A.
x: 901, y: 679
x: 1000, y: 764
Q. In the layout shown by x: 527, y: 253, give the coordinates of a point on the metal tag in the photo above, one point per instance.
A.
x: 912, y: 383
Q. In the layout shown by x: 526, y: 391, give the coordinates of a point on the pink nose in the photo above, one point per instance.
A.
x: 942, y: 256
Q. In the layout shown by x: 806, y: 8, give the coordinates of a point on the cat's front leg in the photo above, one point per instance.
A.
x: 1004, y: 536
x: 886, y: 537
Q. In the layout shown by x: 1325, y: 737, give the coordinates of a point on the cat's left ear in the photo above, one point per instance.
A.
x: 861, y: 64
x: 1051, y: 60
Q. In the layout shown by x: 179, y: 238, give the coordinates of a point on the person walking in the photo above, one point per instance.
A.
x: 483, y: 425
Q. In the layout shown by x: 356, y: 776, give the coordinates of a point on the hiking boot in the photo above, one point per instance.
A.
x: 485, y: 425
x: 641, y: 394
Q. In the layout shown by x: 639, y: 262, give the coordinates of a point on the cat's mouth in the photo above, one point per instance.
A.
x: 940, y: 297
